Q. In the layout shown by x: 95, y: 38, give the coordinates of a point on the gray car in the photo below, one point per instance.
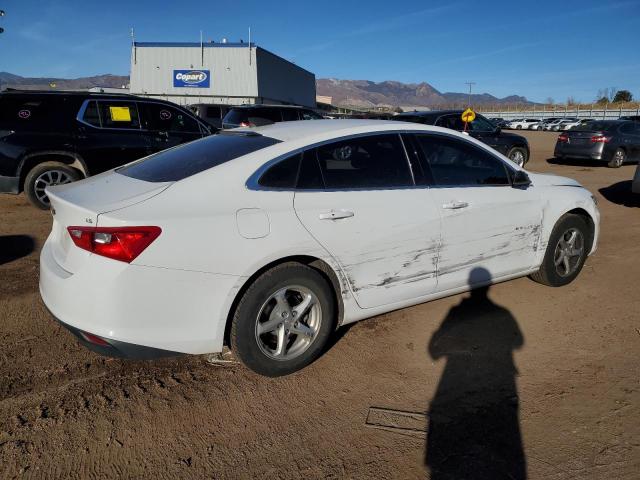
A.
x: 612, y: 141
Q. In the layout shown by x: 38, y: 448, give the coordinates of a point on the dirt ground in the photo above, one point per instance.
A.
x: 549, y: 386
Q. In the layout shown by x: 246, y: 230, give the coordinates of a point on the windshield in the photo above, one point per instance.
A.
x: 183, y: 161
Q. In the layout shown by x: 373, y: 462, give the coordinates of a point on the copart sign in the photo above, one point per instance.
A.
x: 191, y: 78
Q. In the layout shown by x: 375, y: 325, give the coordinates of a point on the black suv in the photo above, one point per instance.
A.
x: 49, y: 138
x: 257, y: 115
x: 515, y: 147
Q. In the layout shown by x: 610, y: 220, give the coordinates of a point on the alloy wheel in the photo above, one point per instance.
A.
x: 517, y: 157
x: 618, y: 157
x: 569, y: 251
x: 49, y: 178
x: 288, y: 322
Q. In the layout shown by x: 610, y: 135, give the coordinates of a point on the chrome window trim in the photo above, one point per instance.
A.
x: 83, y: 108
x: 252, y: 181
x: 79, y: 117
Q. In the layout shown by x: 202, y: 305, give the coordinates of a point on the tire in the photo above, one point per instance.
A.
x: 273, y: 296
x: 44, y: 175
x: 558, y: 276
x: 518, y: 155
x: 518, y: 127
x: 618, y: 158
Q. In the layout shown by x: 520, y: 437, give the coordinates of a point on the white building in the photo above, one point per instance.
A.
x: 220, y: 73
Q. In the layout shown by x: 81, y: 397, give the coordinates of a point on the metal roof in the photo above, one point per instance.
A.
x: 194, y: 44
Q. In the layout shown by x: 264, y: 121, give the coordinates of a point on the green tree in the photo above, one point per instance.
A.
x: 623, y: 96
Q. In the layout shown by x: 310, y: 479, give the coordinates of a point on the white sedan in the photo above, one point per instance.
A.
x: 522, y: 123
x: 269, y: 239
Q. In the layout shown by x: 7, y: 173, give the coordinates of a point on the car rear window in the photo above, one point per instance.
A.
x: 252, y: 117
x: 183, y: 161
x: 23, y: 112
x: 597, y: 126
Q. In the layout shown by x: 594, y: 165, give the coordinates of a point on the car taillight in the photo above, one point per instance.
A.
x: 245, y: 124
x: 563, y: 138
x: 118, y: 243
x: 600, y: 139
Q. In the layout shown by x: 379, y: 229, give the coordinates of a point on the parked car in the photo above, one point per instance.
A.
x: 295, y: 229
x: 522, y: 123
x: 612, y: 141
x: 258, y: 115
x: 212, y: 114
x: 513, y: 146
x: 635, y: 118
x: 539, y: 125
x: 575, y: 123
x: 496, y: 120
x: 557, y: 124
x: 563, y: 124
x: 48, y: 138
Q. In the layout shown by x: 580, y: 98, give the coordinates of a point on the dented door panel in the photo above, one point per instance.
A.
x: 498, y: 229
x: 388, y: 248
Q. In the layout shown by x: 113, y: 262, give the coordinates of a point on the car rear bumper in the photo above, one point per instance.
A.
x: 115, y: 348
x: 591, y: 151
x: 9, y: 184
x: 139, y: 311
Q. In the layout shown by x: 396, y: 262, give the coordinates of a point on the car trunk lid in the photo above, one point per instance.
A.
x: 80, y: 203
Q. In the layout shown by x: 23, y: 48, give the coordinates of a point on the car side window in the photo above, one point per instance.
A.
x: 481, y: 124
x: 91, y: 115
x: 283, y: 174
x: 629, y: 128
x: 376, y: 161
x: 455, y: 163
x: 123, y: 115
x: 160, y: 117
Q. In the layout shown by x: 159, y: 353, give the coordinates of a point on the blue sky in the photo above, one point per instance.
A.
x: 538, y: 49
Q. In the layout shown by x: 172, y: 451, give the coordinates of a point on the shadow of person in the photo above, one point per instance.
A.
x: 13, y: 247
x: 474, y: 429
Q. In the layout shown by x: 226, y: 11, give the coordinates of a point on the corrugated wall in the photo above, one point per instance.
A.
x: 283, y: 81
x: 234, y: 77
x: 230, y: 72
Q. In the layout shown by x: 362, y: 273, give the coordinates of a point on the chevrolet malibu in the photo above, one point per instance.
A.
x: 269, y: 239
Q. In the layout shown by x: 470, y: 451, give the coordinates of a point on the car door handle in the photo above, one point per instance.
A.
x: 336, y: 215
x: 455, y: 205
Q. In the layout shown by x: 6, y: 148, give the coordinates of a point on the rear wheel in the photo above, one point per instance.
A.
x: 566, y: 252
x: 45, y: 175
x: 619, y: 156
x: 518, y: 155
x: 518, y: 127
x: 283, y: 320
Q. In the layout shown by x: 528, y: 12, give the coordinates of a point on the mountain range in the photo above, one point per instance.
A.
x: 365, y: 93
x: 355, y: 93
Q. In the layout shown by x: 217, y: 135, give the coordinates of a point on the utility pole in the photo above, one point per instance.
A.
x: 470, y: 85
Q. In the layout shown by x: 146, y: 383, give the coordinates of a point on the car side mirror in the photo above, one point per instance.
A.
x: 521, y: 179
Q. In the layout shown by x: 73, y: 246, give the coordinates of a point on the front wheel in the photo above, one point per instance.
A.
x: 566, y: 253
x: 518, y: 155
x: 283, y: 320
x: 45, y: 175
x: 619, y: 156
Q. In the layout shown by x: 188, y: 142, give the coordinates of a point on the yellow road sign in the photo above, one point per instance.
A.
x: 468, y: 115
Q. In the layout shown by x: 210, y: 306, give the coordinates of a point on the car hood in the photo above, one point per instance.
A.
x: 550, y: 180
